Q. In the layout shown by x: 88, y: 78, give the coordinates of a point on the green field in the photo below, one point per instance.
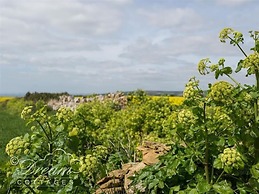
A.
x: 11, y: 126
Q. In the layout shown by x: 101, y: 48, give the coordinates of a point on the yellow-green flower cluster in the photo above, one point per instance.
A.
x: 170, y: 123
x: 73, y: 132
x: 251, y: 63
x: 17, y: 146
x: 236, y: 36
x: 186, y: 116
x: 225, y: 33
x: 87, y: 164
x: 202, y: 65
x: 248, y: 97
x: 221, y: 92
x: 64, y: 114
x: 41, y: 114
x: 97, y: 122
x: 191, y: 90
x: 214, y: 67
x: 220, y: 115
x: 26, y: 112
x: 232, y: 158
x: 100, y: 151
x: 205, y: 65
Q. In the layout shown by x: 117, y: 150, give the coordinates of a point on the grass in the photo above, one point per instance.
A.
x: 11, y: 125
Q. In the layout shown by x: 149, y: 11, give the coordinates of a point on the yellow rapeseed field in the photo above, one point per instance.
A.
x: 177, y: 100
x: 4, y: 98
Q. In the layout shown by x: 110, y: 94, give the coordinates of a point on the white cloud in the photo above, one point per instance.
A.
x: 233, y: 2
x: 64, y: 16
x: 108, y: 45
x: 119, y: 2
x: 171, y: 49
x: 185, y: 18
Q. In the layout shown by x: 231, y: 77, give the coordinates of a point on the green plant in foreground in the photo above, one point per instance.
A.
x: 216, y: 134
x: 40, y: 162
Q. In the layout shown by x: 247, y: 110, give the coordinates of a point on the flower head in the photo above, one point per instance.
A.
x: 221, y: 92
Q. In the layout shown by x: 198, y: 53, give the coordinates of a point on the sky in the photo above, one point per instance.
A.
x: 100, y: 46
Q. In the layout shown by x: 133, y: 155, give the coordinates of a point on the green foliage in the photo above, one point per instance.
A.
x: 44, y: 96
x: 215, y: 134
x: 89, y: 141
x: 16, y: 105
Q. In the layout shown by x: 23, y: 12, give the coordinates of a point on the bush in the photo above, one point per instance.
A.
x: 216, y: 133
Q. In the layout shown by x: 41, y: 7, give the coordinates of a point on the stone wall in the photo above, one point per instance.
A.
x: 118, y: 181
x: 72, y: 102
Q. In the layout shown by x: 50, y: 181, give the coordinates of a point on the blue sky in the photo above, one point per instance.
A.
x: 97, y: 46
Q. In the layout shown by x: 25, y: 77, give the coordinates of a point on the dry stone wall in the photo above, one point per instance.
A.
x: 118, y: 181
x: 72, y: 102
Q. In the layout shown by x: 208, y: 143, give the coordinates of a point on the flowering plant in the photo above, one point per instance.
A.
x: 215, y: 134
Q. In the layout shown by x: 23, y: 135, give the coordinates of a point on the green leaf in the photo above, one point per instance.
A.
x: 191, y: 167
x: 231, y: 141
x: 175, y: 188
x: 217, y: 163
x: 217, y: 72
x: 153, y: 192
x: 67, y: 188
x: 161, y: 185
x: 221, y: 141
x: 153, y: 183
x: 203, y: 186
x: 226, y: 70
x: 193, y: 191
x: 26, y: 137
x: 239, y: 66
x: 223, y: 188
x: 144, y: 175
x: 228, y: 169
x: 242, y: 188
x: 255, y: 171
x: 254, y: 183
x: 59, y: 128
x: 254, y: 95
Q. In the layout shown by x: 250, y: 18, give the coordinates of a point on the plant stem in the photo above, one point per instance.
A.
x: 256, y: 142
x: 206, y: 162
x: 238, y: 46
x: 235, y: 81
x: 43, y: 129
x: 256, y: 101
x: 51, y: 139
x: 50, y: 130
x: 211, y: 176
x: 219, y: 176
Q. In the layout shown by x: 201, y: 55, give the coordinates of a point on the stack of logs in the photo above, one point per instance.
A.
x: 118, y: 181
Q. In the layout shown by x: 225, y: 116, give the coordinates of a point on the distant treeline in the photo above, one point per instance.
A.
x: 45, y: 96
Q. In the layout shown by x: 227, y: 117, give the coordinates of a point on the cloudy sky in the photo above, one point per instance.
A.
x: 97, y: 46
